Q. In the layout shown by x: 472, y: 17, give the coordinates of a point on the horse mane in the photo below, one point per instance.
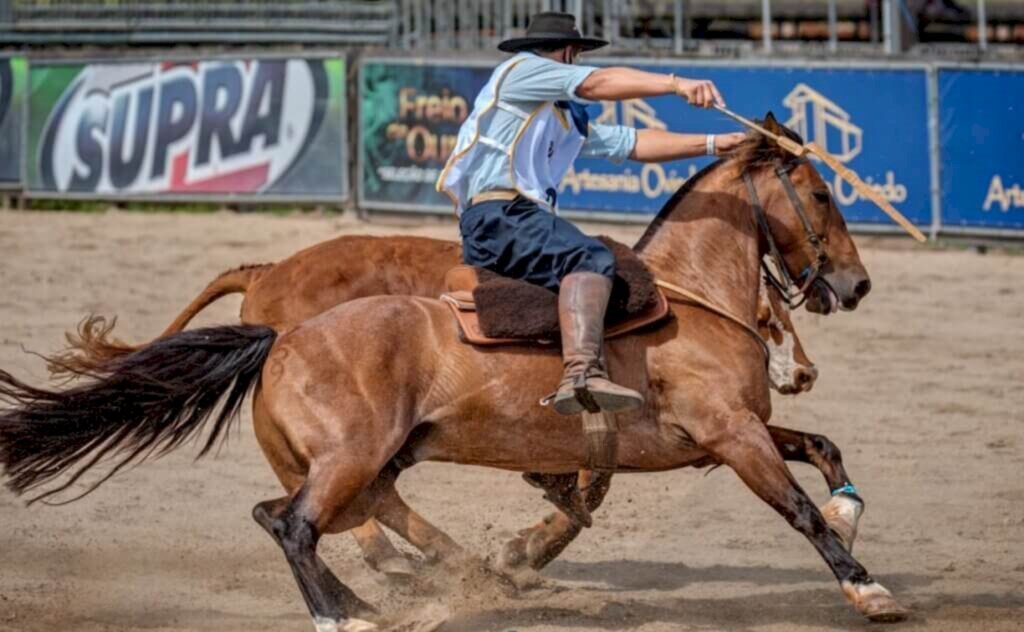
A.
x: 756, y: 151
x: 670, y: 205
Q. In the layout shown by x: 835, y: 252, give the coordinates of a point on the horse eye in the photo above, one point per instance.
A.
x: 822, y: 197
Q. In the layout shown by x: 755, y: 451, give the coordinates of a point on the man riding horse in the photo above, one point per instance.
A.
x: 528, y: 125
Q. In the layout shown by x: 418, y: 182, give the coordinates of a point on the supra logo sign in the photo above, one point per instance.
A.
x: 819, y: 119
x: 187, y: 128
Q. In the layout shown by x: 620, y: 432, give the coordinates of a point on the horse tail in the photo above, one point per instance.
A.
x: 142, y: 404
x: 91, y: 346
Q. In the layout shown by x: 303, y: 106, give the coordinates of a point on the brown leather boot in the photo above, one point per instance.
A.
x: 582, y: 301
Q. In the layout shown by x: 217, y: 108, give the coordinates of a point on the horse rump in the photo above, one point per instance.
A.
x: 145, y: 403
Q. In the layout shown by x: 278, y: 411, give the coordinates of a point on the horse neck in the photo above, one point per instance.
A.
x: 708, y: 244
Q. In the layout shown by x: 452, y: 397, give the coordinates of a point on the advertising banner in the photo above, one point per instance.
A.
x: 257, y: 128
x: 875, y: 121
x: 409, y: 118
x: 981, y: 140
x: 12, y: 112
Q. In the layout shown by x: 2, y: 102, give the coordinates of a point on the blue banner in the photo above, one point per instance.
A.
x: 875, y: 121
x: 981, y: 115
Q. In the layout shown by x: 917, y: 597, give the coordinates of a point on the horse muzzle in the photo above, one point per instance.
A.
x: 837, y: 291
x: 801, y: 380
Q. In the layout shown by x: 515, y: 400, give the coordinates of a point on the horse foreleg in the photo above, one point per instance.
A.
x: 563, y: 491
x: 744, y: 444
x: 379, y: 552
x: 538, y: 545
x: 844, y: 509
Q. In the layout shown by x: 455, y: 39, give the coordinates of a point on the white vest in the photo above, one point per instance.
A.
x: 545, y: 146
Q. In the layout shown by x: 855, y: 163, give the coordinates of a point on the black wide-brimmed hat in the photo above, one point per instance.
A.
x: 551, y: 28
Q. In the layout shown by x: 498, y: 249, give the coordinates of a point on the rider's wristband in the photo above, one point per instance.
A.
x: 710, y: 145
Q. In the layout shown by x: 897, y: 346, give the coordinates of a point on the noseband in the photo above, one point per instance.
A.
x: 792, y: 294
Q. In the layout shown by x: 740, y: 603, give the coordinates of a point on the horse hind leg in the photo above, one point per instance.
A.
x: 265, y: 513
x: 335, y: 497
x: 843, y: 511
x: 745, y: 445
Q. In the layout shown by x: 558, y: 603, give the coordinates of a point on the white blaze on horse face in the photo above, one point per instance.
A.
x: 782, y: 364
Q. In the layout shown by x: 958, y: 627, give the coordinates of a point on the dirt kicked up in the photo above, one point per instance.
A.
x: 920, y: 387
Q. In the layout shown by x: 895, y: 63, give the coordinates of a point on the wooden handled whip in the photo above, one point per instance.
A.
x: 844, y: 172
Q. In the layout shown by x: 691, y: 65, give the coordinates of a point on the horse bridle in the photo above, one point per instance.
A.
x: 793, y: 295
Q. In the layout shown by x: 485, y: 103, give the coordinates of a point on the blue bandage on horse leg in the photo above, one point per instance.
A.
x: 845, y: 489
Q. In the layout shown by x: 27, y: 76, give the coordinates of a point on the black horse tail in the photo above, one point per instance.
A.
x: 143, y: 404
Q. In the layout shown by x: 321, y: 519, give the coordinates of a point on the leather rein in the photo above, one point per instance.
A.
x: 793, y: 296
x: 721, y: 311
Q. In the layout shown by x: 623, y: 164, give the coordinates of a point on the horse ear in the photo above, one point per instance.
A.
x: 772, y: 124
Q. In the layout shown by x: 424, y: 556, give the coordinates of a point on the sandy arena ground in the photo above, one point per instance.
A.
x: 921, y: 387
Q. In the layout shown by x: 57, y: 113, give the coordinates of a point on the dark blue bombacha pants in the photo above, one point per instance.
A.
x: 520, y: 239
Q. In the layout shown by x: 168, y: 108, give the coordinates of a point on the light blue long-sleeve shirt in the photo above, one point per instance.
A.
x: 531, y: 83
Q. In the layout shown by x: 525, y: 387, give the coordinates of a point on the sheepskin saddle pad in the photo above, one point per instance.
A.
x: 492, y: 309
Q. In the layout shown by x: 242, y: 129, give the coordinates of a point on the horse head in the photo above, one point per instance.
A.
x: 809, y: 232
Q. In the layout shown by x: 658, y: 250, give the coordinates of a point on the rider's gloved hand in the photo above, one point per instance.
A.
x: 700, y: 93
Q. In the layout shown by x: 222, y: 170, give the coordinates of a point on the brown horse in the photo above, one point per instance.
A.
x: 315, y: 279
x: 349, y: 398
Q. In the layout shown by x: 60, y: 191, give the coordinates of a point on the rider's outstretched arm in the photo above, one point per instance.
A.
x: 655, y: 145
x: 618, y: 83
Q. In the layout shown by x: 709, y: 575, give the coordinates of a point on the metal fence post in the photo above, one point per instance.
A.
x: 934, y: 151
x: 766, y: 24
x: 506, y: 19
x: 982, y: 26
x: 891, y: 28
x: 403, y: 9
x: 833, y: 27
x: 679, y: 22
x: 610, y: 22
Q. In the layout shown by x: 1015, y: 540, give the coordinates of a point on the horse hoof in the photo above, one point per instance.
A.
x: 324, y: 624
x: 513, y: 555
x: 842, y: 513
x: 426, y: 619
x: 397, y: 568
x: 875, y: 602
x: 356, y: 625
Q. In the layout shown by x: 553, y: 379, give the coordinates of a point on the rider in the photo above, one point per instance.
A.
x: 527, y: 127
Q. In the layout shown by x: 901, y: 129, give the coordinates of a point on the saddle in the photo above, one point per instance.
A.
x: 495, y: 310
